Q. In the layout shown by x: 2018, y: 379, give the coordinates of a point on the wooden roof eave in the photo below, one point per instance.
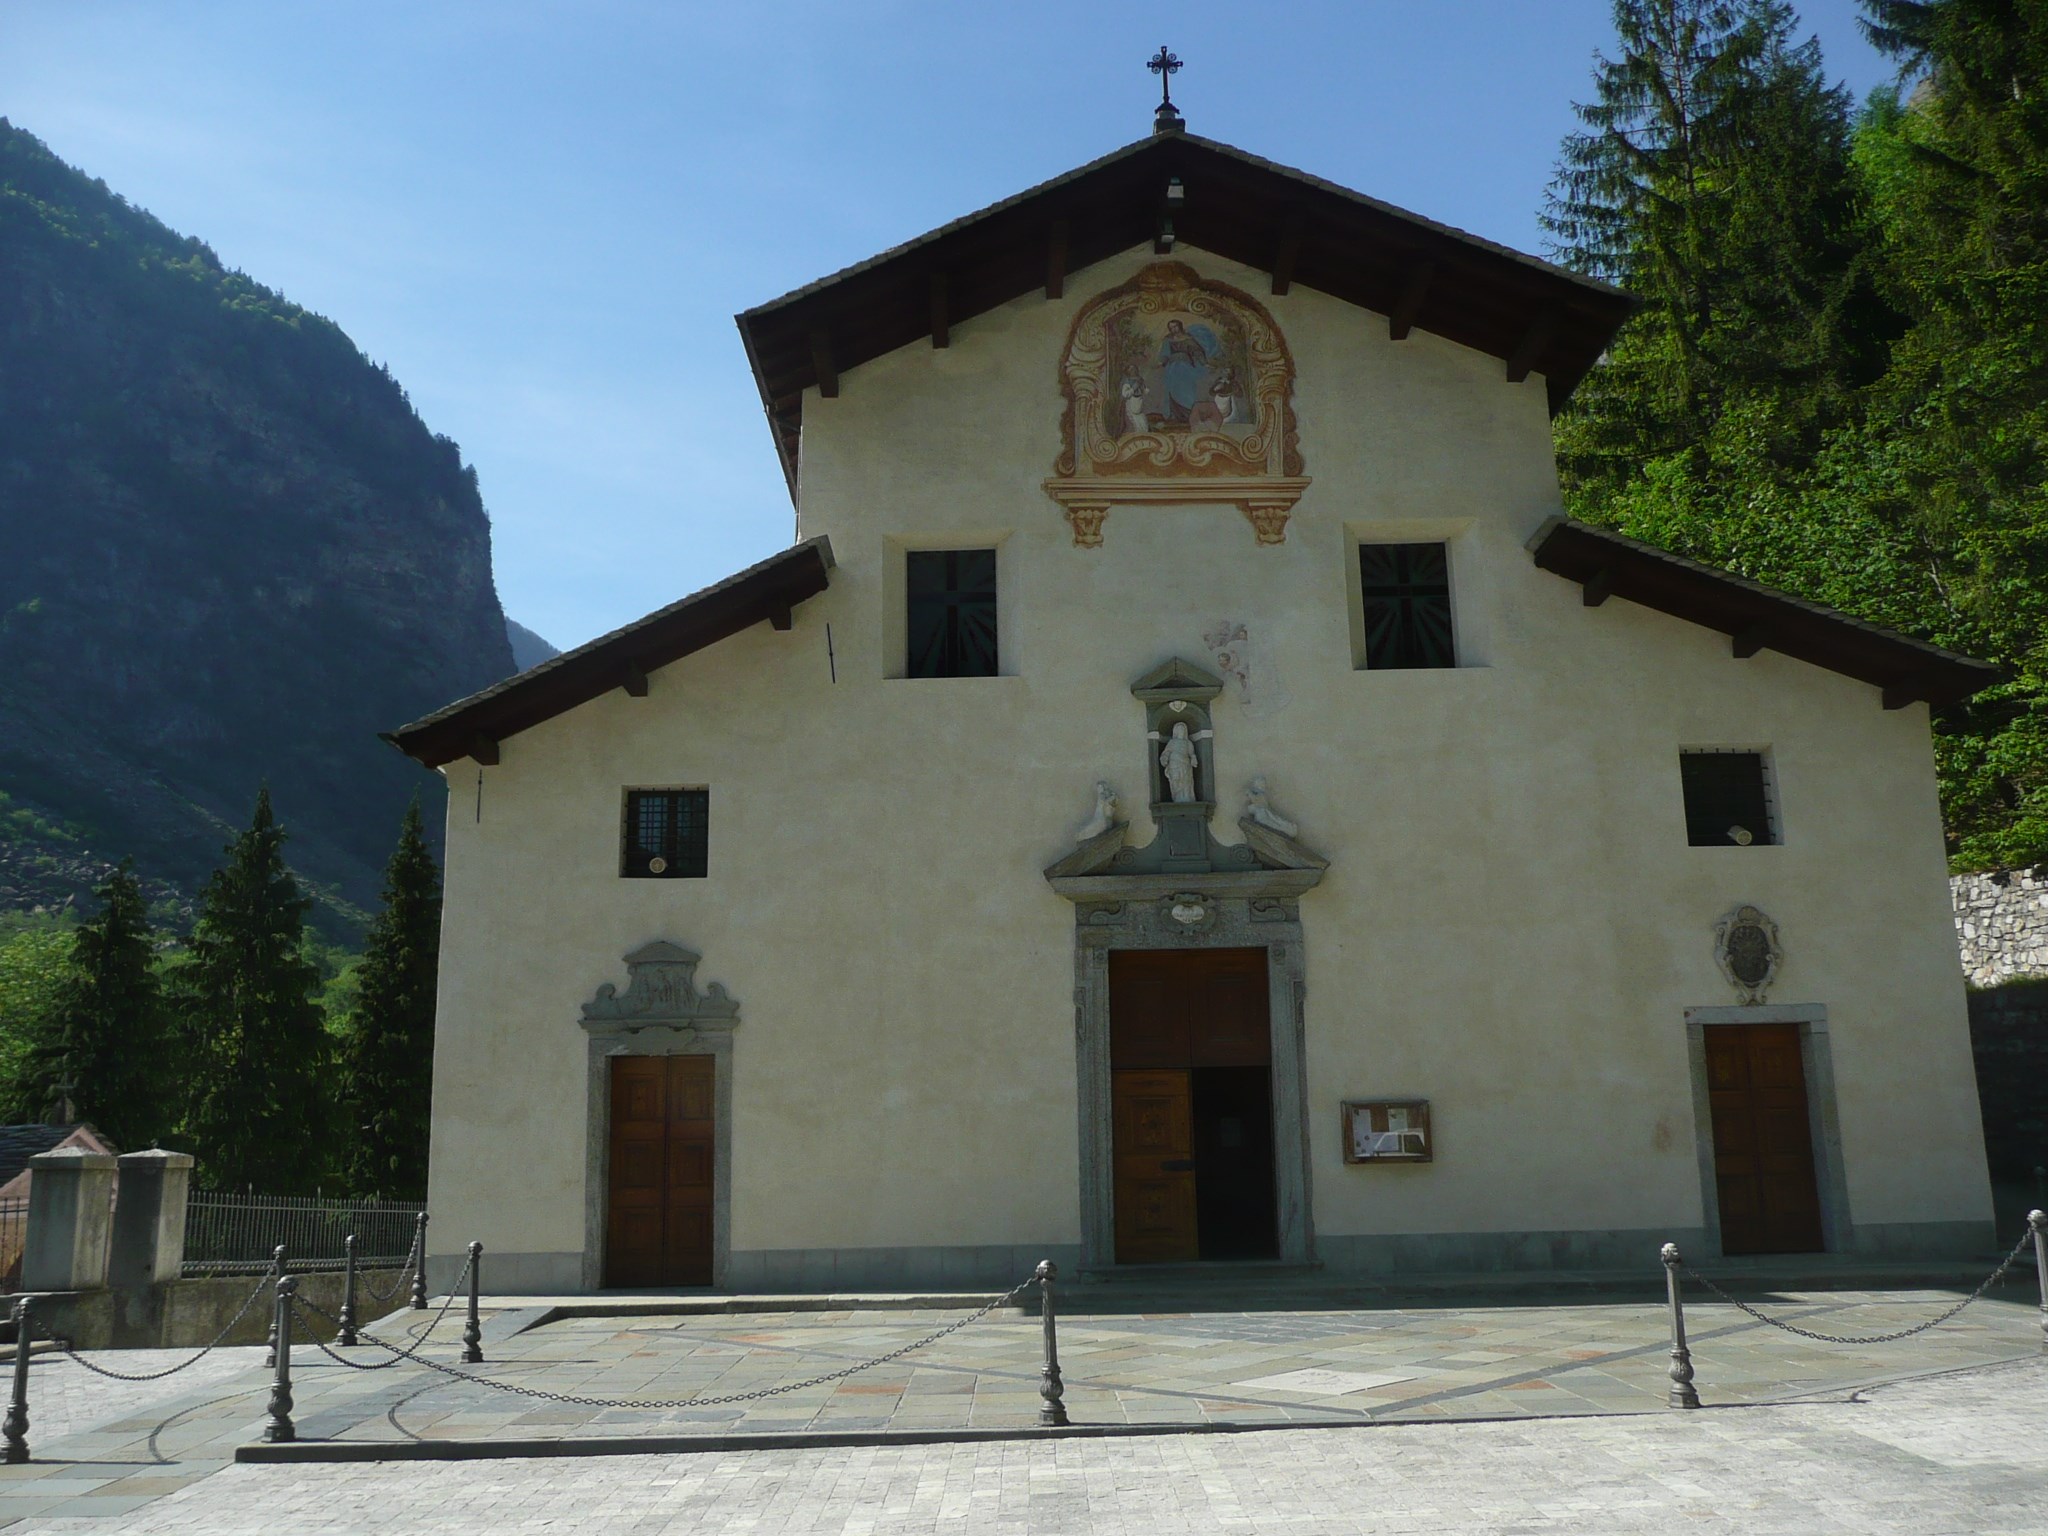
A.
x: 1755, y: 617
x: 473, y: 727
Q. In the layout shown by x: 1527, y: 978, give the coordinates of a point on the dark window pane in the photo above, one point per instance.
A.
x: 952, y: 612
x: 670, y: 827
x: 1407, y: 594
x: 1723, y: 791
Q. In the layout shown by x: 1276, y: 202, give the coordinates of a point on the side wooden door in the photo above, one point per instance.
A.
x: 1763, y: 1142
x: 658, y: 1220
x: 1153, y: 1129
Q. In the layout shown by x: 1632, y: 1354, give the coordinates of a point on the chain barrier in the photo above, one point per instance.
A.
x: 1990, y: 1280
x: 312, y: 1310
x: 579, y: 1401
x: 382, y: 1298
x: 100, y: 1370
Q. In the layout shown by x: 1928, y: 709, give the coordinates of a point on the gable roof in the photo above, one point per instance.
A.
x: 1754, y: 616
x: 19, y: 1143
x: 474, y: 726
x: 1533, y: 315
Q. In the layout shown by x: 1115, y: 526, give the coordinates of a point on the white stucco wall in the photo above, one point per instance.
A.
x: 1512, y: 924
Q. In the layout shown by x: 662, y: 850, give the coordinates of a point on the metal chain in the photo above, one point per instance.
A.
x: 1990, y: 1280
x: 699, y: 1402
x: 315, y: 1308
x: 405, y: 1274
x: 100, y: 1370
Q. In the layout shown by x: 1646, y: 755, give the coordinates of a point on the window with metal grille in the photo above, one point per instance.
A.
x: 1406, y: 590
x: 1727, y: 799
x: 667, y: 834
x: 951, y: 622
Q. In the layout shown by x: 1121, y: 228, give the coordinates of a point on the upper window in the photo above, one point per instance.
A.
x: 1406, y: 591
x: 1727, y: 799
x: 951, y: 612
x: 667, y: 834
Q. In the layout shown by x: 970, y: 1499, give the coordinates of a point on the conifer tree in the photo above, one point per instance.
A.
x: 257, y: 1112
x: 105, y: 1054
x: 389, y: 1046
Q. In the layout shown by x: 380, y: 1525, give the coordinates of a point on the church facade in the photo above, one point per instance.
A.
x: 1189, y: 795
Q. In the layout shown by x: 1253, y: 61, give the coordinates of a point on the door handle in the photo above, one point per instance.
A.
x: 1178, y: 1165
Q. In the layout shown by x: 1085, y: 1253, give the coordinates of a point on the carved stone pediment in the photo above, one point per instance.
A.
x: 661, y: 992
x: 1276, y: 850
x: 1179, y: 390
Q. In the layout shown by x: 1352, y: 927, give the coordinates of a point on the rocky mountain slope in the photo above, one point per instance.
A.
x: 230, y: 552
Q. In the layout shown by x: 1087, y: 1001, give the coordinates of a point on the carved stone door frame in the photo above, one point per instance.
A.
x: 661, y: 1013
x: 1239, y: 920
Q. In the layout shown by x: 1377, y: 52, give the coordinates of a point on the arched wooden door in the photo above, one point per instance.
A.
x: 658, y: 1220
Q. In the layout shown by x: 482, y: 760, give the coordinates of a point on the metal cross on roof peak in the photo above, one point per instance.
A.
x: 1165, y: 65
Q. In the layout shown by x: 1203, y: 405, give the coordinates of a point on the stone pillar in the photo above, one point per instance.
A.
x: 149, y: 1219
x: 70, y: 1196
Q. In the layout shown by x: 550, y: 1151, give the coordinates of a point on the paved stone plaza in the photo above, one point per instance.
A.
x: 1569, y: 1399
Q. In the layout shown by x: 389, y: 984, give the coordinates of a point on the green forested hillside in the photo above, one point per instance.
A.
x: 230, y: 552
x: 1839, y: 381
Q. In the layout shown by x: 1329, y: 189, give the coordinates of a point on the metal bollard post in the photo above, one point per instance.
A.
x: 347, y: 1320
x: 2038, y: 1220
x: 280, y: 1425
x: 1682, y: 1393
x: 1051, y: 1388
x: 277, y: 1269
x: 419, y: 1263
x: 15, y: 1427
x: 473, y: 1329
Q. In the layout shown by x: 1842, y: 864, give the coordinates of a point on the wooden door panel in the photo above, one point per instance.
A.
x: 658, y: 1222
x: 1763, y: 1141
x: 1153, y: 1136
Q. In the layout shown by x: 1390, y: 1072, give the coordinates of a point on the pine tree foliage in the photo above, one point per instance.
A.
x: 105, y: 1056
x: 389, y: 1045
x: 257, y: 1114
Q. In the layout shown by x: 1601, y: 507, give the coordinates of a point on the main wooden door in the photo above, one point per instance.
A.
x: 1763, y: 1143
x: 1191, y: 1105
x: 658, y: 1221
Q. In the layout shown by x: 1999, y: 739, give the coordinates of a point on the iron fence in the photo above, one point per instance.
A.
x: 13, y: 1236
x: 235, y: 1234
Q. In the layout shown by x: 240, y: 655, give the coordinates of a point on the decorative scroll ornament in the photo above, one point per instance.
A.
x: 1747, y: 950
x: 661, y: 991
x: 1178, y: 390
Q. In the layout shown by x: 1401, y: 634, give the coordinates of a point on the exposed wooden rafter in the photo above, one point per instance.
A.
x: 633, y: 678
x: 941, y: 331
x: 1522, y: 361
x: 484, y: 749
x: 821, y: 365
x: 1401, y: 319
x: 1598, y: 587
x: 1286, y: 254
x: 780, y: 618
x: 1899, y: 695
x: 1056, y: 259
x: 1748, y: 640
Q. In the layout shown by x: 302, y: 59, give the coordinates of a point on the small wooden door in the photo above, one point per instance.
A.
x: 658, y: 1222
x: 1763, y: 1144
x: 1153, y: 1128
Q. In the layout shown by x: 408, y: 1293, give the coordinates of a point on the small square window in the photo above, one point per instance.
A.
x: 667, y: 834
x: 1727, y: 799
x: 1406, y: 591
x: 950, y: 598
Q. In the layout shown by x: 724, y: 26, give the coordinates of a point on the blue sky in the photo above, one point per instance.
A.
x: 544, y: 216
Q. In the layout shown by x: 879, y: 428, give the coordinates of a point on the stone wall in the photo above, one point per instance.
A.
x: 2002, y: 924
x: 2009, y: 1036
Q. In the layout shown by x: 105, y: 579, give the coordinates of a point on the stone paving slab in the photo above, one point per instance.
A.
x: 98, y: 1444
x: 1962, y: 1452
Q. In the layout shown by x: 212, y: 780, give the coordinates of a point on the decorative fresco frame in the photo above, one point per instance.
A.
x: 1202, y: 412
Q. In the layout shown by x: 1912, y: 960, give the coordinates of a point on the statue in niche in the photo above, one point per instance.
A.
x: 1105, y: 812
x: 1178, y: 760
x: 1258, y: 808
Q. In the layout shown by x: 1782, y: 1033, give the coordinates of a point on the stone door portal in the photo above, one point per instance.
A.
x: 658, y: 1225
x: 1191, y: 1057
x: 1763, y: 1141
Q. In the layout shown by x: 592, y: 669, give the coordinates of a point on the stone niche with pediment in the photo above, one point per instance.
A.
x: 1178, y: 390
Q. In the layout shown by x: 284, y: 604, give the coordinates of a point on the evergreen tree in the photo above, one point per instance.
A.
x: 105, y: 1055
x: 1713, y: 182
x: 258, y: 1052
x: 389, y: 1045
